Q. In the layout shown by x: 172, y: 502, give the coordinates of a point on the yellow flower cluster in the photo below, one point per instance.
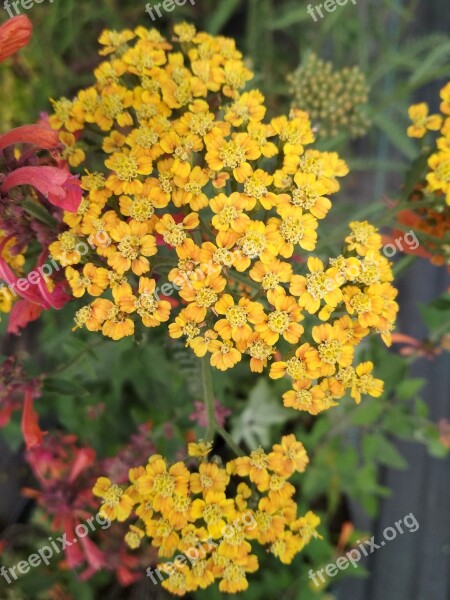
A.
x: 16, y: 262
x: 197, y: 181
x: 438, y: 177
x: 189, y: 513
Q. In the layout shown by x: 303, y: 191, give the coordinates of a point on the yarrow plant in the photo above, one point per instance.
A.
x: 181, y: 510
x: 197, y: 182
x: 192, y: 185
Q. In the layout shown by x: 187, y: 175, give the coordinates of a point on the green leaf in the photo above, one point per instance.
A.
x: 253, y: 425
x: 409, y: 388
x: 435, y: 58
x: 221, y: 15
x: 378, y: 448
x: 368, y: 412
x: 396, y: 133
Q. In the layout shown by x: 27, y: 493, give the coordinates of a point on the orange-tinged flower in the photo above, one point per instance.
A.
x: 117, y: 505
x: 210, y: 477
x: 284, y: 321
x: 422, y: 121
x: 254, y: 466
x: 132, y: 247
x: 287, y: 457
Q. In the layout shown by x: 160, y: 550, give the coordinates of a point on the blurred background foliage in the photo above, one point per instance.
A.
x: 103, y: 391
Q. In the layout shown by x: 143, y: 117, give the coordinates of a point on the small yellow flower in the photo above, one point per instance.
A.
x: 421, y: 121
x: 117, y: 505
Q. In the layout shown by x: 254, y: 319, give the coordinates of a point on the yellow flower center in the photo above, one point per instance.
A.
x: 85, y: 281
x: 206, y: 297
x: 330, y: 351
x: 255, y: 188
x: 183, y: 93
x: 94, y: 181
x: 232, y: 155
x: 112, y: 105
x: 295, y: 368
x: 304, y: 196
x: 370, y: 272
x: 278, y: 548
x: 279, y: 321
x: 258, y: 459
x: 228, y: 214
x: 191, y: 329
x: 222, y: 256
x: 212, y: 513
x: 133, y: 540
x: 193, y: 188
x: 303, y: 399
x: 175, y: 236
x: 63, y: 109
x: 234, y: 573
x: 253, y: 244
x: 82, y: 315
x: 365, y: 383
x: 263, y: 520
x: 236, y: 316
x: 142, y: 210
x: 146, y: 111
x: 115, y: 315
x: 205, y: 481
x: 181, y: 503
x: 146, y: 137
x: 260, y: 350
x: 166, y: 182
x: 146, y: 305
x: 113, y: 495
x: 126, y: 168
x: 201, y: 124
x: 361, y: 233
x: 317, y: 284
x: 276, y: 482
x: 347, y: 376
x: 292, y: 230
x: 442, y: 171
x: 129, y: 247
x: 164, y: 484
x: 270, y: 281
x: 361, y: 303
x: 310, y: 164
x: 68, y: 241
x: 164, y: 528
x: 84, y: 206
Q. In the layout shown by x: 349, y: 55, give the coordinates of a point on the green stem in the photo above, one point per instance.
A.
x: 208, y: 397
x: 229, y: 440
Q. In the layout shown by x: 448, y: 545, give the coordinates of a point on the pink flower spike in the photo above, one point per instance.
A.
x: 44, y: 137
x: 59, y: 186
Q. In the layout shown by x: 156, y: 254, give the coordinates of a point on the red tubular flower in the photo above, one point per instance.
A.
x: 14, y: 35
x: 44, y: 137
x: 60, y: 187
x: 32, y: 434
x: 22, y: 313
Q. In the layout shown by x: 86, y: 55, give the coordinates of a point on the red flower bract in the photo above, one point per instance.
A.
x: 14, y: 35
x: 60, y: 187
x: 44, y: 137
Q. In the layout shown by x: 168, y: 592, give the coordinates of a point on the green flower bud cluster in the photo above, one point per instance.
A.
x: 335, y: 100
